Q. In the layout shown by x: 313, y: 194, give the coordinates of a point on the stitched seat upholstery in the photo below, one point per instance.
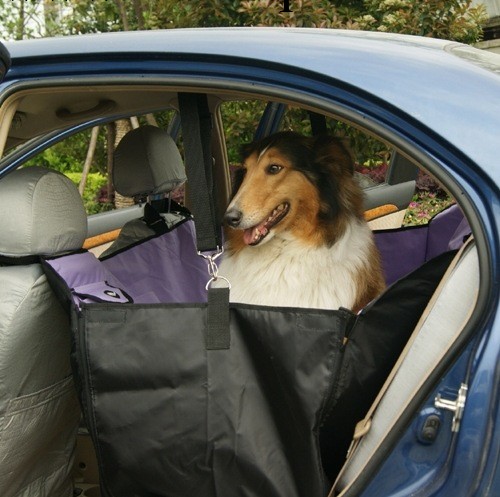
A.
x: 42, y: 214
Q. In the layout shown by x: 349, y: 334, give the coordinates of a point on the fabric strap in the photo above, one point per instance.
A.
x: 19, y: 261
x: 197, y: 132
x: 217, y: 333
x: 197, y: 135
x: 318, y: 124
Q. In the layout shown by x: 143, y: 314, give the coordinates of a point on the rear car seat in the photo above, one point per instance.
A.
x: 42, y: 214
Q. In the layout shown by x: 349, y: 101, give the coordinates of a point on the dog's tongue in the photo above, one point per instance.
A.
x: 255, y: 234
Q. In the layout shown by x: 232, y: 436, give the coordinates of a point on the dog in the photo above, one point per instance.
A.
x: 294, y: 228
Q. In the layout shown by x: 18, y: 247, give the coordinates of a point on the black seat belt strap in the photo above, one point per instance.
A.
x: 318, y: 124
x: 196, y: 123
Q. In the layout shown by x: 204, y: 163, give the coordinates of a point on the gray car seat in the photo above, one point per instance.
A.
x: 42, y: 214
x: 147, y: 163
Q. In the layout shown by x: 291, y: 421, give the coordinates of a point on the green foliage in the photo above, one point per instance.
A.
x: 304, y: 13
x: 96, y: 182
x: 452, y: 19
x: 448, y: 19
x: 69, y: 155
x: 240, y: 120
x: 424, y: 206
x: 91, y: 16
x: 187, y: 14
x: 53, y: 159
x: 19, y: 19
x: 366, y: 149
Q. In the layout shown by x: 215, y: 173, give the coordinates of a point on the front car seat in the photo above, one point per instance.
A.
x: 147, y: 165
x: 41, y: 214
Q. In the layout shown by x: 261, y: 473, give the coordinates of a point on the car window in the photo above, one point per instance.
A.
x: 240, y: 120
x: 86, y: 158
x: 371, y: 156
x: 380, y: 170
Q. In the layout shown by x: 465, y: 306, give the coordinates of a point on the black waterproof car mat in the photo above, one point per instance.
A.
x: 375, y: 342
x: 170, y: 418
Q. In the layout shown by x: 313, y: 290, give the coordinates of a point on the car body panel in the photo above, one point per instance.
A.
x: 426, y: 96
x: 424, y: 69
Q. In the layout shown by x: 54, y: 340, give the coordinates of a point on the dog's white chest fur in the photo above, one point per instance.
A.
x: 289, y: 273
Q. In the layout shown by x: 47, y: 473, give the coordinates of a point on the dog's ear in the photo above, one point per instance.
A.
x: 333, y: 157
x: 346, y: 145
x: 334, y: 154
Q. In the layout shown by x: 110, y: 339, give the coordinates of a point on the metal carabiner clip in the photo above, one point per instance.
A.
x: 213, y: 269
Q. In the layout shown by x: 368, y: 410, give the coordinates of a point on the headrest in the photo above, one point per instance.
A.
x: 147, y: 161
x: 42, y: 213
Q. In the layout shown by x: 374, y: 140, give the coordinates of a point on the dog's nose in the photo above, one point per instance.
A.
x: 233, y: 217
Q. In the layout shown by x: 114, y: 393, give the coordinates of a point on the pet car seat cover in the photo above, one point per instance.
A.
x: 405, y: 249
x: 163, y: 269
x: 60, y: 223
x: 375, y: 341
x: 147, y: 161
x: 171, y: 418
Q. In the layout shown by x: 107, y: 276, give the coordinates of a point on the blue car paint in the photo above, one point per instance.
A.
x: 392, y: 67
x: 396, y: 99
x: 414, y: 468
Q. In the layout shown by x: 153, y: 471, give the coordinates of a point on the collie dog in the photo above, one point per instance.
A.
x: 295, y: 232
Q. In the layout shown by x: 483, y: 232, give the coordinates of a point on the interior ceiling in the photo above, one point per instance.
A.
x: 40, y: 111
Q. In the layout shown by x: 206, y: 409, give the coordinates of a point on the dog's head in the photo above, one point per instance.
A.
x: 290, y: 185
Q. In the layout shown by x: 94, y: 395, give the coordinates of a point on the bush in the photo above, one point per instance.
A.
x: 447, y: 19
x: 93, y: 199
x: 424, y: 206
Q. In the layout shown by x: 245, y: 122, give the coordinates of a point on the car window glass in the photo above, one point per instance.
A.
x: 240, y: 120
x: 94, y: 147
x: 372, y: 157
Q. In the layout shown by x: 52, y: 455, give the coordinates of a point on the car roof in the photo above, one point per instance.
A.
x: 452, y: 89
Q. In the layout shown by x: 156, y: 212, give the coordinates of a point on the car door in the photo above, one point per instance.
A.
x: 4, y: 61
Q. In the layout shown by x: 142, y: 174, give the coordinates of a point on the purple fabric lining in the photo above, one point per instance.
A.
x: 168, y: 269
x: 405, y: 249
x: 163, y: 269
x: 81, y: 270
x: 442, y: 229
x: 401, y: 251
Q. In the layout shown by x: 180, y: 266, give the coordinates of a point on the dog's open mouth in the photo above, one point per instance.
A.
x: 253, y: 236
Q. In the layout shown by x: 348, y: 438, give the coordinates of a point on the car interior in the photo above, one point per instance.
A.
x: 40, y: 419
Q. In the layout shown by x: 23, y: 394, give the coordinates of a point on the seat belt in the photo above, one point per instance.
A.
x: 364, y: 426
x: 318, y: 124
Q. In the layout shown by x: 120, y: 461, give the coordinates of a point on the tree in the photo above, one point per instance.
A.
x: 88, y: 159
x: 453, y: 19
x: 20, y: 19
x: 122, y: 127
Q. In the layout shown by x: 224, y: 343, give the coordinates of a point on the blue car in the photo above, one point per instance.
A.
x: 416, y: 110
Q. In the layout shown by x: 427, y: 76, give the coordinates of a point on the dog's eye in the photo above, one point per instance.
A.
x: 274, y: 169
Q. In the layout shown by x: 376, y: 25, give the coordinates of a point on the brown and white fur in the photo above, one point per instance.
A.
x: 296, y: 234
